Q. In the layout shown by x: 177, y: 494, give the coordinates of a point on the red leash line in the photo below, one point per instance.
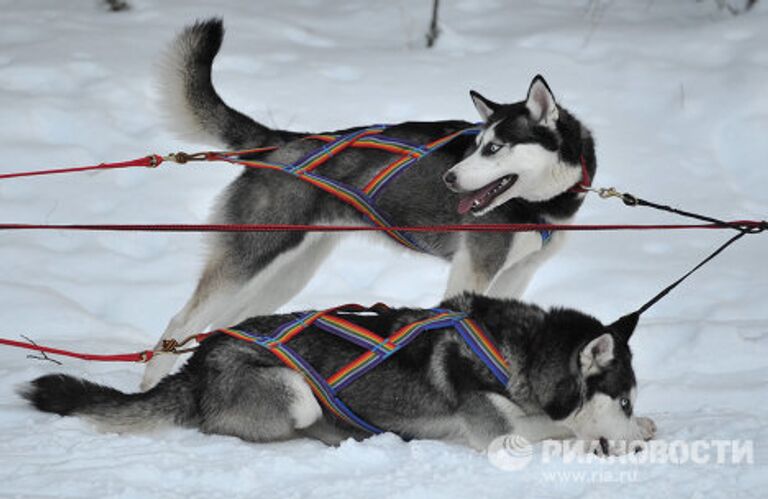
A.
x: 123, y: 357
x: 155, y: 160
x: 736, y: 224
x: 151, y: 161
x: 147, y: 162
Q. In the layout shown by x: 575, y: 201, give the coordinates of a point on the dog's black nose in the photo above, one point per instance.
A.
x: 449, y: 178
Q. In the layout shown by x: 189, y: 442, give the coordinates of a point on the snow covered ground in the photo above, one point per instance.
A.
x: 675, y: 92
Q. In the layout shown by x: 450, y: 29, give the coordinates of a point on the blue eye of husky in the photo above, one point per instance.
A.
x: 626, y: 406
x: 492, y: 148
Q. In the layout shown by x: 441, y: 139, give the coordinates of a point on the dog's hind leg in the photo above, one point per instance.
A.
x: 260, y: 404
x: 209, y: 298
x: 328, y: 433
x: 240, y: 399
x: 224, y: 296
x: 278, y: 282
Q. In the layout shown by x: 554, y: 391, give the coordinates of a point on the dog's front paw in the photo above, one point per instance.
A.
x: 605, y: 448
x: 647, y: 428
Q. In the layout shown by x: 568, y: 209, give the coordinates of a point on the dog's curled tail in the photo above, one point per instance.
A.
x: 170, y: 402
x: 192, y: 107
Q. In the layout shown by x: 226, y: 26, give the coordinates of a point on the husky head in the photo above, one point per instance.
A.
x: 583, y: 378
x: 529, y: 150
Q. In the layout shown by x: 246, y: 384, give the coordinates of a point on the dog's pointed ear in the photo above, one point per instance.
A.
x: 541, y: 103
x: 624, y: 327
x: 484, y: 106
x: 597, y: 354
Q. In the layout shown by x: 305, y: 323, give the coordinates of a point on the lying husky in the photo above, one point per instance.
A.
x: 521, y: 168
x: 569, y: 376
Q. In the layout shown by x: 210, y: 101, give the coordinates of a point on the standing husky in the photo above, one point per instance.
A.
x: 521, y: 168
x: 569, y: 376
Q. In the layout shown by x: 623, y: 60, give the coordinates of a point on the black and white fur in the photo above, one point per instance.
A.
x: 526, y: 180
x: 570, y: 376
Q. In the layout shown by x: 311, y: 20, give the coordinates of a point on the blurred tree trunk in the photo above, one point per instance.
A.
x: 117, y: 5
x: 736, y: 7
x: 434, y: 31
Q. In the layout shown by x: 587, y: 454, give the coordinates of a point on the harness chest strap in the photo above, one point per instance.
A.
x: 378, y: 350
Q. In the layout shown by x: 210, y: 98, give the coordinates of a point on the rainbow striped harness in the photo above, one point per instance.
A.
x: 363, y: 199
x: 378, y: 349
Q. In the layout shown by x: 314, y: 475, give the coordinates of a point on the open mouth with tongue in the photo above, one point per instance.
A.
x: 475, y: 201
